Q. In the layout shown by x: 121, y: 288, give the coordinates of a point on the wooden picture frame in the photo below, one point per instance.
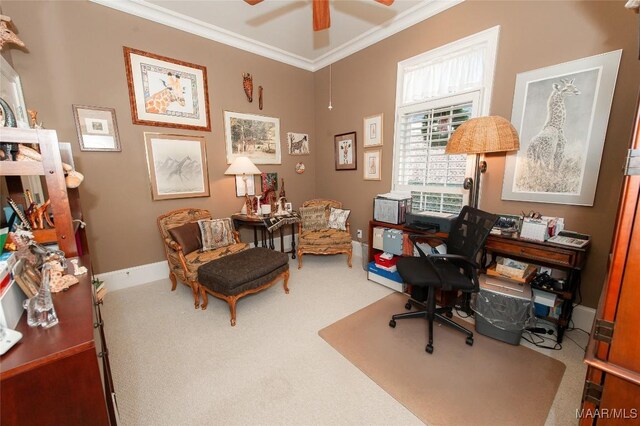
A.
x: 253, y: 136
x: 251, y: 187
x: 345, y: 151
x: 373, y: 165
x: 373, y: 128
x: 97, y: 128
x: 166, y: 92
x: 177, y: 166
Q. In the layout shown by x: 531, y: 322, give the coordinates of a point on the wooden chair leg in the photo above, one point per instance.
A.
x: 299, y: 259
x: 349, y: 259
x: 196, y: 295
x: 205, y: 298
x: 174, y: 281
x: 286, y: 281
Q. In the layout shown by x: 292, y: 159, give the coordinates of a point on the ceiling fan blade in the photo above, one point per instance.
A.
x: 385, y: 2
x: 252, y: 2
x: 321, y: 17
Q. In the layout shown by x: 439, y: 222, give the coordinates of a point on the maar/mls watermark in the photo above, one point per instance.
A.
x: 607, y: 413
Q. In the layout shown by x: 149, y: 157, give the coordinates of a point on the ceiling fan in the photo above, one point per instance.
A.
x: 321, y: 17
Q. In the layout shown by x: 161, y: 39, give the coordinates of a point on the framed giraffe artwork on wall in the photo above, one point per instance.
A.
x: 166, y: 92
x: 561, y: 113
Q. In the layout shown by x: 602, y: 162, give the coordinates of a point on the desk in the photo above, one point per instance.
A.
x: 266, y: 237
x: 569, y: 259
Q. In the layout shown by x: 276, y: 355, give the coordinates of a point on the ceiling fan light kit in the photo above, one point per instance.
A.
x: 321, y: 14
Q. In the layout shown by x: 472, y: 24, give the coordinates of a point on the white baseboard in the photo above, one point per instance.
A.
x: 137, y: 275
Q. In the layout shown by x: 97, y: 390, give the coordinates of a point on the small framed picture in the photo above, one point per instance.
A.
x: 269, y: 181
x: 345, y: 151
x: 251, y: 187
x: 298, y: 143
x: 288, y: 207
x: 97, y: 128
x: 372, y: 164
x: 373, y: 130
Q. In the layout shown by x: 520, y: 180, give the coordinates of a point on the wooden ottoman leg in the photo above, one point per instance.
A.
x: 174, y: 281
x: 286, y: 280
x: 232, y: 307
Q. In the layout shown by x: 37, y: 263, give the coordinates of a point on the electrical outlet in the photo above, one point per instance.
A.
x: 359, y: 233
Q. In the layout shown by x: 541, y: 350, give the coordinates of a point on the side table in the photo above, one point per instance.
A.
x: 266, y: 236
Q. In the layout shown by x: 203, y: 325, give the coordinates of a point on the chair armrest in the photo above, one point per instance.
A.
x: 173, y: 245
x: 236, y: 236
x: 346, y: 225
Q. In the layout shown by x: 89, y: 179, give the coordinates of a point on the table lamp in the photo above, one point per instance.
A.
x: 478, y: 136
x: 243, y: 166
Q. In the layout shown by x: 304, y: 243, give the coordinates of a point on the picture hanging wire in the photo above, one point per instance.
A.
x: 330, y: 106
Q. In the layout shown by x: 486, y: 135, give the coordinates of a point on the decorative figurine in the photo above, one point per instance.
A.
x: 6, y: 35
x: 247, y: 83
x: 33, y: 119
x: 260, y: 97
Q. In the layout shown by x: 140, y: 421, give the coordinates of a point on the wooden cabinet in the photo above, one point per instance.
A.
x: 59, y: 375
x: 612, y: 386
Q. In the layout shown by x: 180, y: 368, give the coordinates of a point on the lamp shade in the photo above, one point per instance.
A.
x: 242, y: 166
x: 483, y: 134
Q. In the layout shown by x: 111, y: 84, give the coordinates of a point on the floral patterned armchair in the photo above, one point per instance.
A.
x: 182, y: 242
x: 323, y: 239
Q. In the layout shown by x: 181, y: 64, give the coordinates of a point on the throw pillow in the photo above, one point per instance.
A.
x: 313, y: 218
x: 188, y: 236
x: 338, y: 218
x: 216, y: 233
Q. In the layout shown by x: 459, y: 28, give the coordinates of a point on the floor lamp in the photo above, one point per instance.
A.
x: 478, y: 136
x: 243, y: 166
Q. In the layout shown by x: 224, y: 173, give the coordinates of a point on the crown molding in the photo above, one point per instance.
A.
x: 160, y: 15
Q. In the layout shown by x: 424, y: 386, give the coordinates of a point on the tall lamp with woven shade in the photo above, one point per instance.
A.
x: 479, y: 136
x: 243, y: 166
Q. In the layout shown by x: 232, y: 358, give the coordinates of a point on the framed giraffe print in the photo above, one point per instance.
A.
x: 177, y: 166
x: 166, y: 92
x: 561, y: 113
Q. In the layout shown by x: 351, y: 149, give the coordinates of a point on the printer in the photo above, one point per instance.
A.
x: 430, y: 221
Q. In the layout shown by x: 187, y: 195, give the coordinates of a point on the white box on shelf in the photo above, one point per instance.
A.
x: 544, y: 298
x: 378, y: 238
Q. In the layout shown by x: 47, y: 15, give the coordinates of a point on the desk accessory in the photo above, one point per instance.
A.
x: 8, y: 338
x: 534, y: 229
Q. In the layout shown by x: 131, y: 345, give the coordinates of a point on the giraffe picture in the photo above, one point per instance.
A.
x: 177, y: 166
x: 561, y: 114
x: 345, y: 151
x: 167, y: 92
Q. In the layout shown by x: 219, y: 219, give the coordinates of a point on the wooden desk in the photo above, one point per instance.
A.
x: 569, y: 259
x: 266, y: 237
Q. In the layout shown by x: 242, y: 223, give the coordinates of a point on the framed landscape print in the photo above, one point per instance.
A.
x: 345, y: 151
x: 298, y: 143
x: 253, y: 136
x: 372, y: 164
x: 166, y: 92
x: 373, y: 130
x: 97, y: 128
x: 561, y: 113
x: 177, y: 166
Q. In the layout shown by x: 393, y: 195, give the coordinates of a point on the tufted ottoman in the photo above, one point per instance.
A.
x: 234, y: 276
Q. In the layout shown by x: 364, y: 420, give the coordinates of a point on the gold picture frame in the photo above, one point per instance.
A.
x: 97, y: 128
x: 373, y: 130
x: 373, y: 165
x: 177, y: 166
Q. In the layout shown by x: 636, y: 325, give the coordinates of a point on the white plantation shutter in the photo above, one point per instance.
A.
x: 434, y: 179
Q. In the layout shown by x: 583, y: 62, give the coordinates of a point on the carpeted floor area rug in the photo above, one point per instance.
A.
x: 489, y: 383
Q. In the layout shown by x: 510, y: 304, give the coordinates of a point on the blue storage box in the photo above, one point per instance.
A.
x: 541, y: 310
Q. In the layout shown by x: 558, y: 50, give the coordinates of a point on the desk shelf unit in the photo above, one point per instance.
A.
x: 568, y: 259
x: 59, y: 375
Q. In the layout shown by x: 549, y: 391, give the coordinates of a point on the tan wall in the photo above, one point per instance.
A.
x: 533, y: 35
x: 75, y: 57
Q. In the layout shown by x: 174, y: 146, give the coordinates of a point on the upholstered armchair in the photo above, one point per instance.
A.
x: 317, y: 237
x: 182, y: 242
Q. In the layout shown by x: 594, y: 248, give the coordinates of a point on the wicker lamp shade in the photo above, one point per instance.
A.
x: 483, y: 134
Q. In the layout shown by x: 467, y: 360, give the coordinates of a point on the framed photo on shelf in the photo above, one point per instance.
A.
x: 345, y: 151
x: 11, y: 92
x: 373, y: 130
x: 166, y: 92
x: 253, y: 136
x: 251, y: 187
x: 559, y: 163
x: 372, y: 165
x: 97, y: 128
x: 177, y: 166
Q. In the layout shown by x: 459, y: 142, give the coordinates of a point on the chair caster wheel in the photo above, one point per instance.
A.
x: 407, y: 306
x: 429, y: 349
x: 449, y: 314
x: 469, y: 341
x: 392, y: 323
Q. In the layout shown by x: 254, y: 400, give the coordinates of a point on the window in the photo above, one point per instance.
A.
x: 437, y: 92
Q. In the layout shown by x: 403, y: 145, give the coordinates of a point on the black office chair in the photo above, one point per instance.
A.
x: 456, y: 270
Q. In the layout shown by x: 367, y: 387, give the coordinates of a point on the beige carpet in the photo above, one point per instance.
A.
x: 497, y: 383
